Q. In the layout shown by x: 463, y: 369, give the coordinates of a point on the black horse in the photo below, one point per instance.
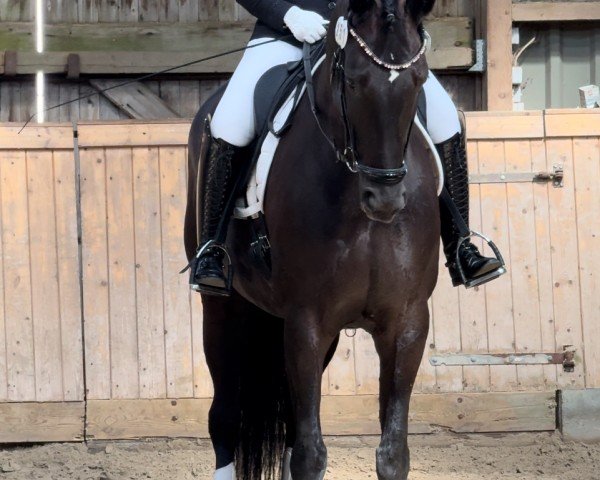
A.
x: 352, y: 247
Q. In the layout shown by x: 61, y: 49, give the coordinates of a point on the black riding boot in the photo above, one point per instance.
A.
x: 477, y: 269
x: 207, y: 268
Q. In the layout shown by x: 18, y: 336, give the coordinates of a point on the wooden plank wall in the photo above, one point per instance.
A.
x: 40, y: 324
x: 143, y: 328
x: 183, y: 95
x: 17, y: 99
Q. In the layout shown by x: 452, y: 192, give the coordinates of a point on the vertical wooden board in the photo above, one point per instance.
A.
x: 121, y: 274
x: 188, y: 11
x: 473, y: 331
x: 12, y: 92
x: 445, y: 8
x: 325, y: 382
x: 544, y: 260
x: 148, y: 10
x: 446, y: 317
x: 87, y: 11
x: 203, y: 387
x: 3, y: 351
x: 4, y: 101
x: 69, y: 112
x: 587, y: 189
x: 208, y: 9
x: 89, y: 108
x: 342, y: 376
x: 95, y: 273
x: 17, y: 281
x: 425, y: 381
x: 168, y: 11
x: 108, y: 11
x: 129, y: 11
x: 499, y: 50
x: 28, y: 99
x: 61, y: 11
x: 207, y: 88
x: 148, y: 272
x: 227, y: 10
x: 189, y: 92
x: 178, y: 338
x: 44, y: 283
x: 68, y: 274
x: 52, y: 99
x: 565, y: 258
x: 523, y: 256
x: 27, y: 8
x: 494, y: 224
x: 241, y: 14
x: 10, y: 11
x: 170, y: 93
x: 367, y: 364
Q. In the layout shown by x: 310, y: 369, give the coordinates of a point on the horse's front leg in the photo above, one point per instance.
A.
x: 306, y: 346
x: 400, y: 344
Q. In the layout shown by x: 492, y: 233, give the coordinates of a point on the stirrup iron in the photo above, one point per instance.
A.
x: 227, y: 267
x: 488, y: 277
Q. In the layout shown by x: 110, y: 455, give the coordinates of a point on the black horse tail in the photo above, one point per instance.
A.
x: 264, y: 400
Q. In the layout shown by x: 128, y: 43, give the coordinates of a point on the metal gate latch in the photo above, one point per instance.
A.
x: 556, y: 177
x: 565, y: 358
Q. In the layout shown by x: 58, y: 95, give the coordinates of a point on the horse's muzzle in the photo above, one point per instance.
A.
x: 381, y: 203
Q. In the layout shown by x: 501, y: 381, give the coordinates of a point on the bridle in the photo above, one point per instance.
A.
x: 348, y: 153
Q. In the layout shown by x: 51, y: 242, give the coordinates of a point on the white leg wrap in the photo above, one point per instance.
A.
x: 442, y: 117
x: 287, y: 458
x: 225, y: 473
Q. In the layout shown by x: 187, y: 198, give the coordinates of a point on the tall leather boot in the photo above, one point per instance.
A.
x: 477, y: 269
x: 207, y: 268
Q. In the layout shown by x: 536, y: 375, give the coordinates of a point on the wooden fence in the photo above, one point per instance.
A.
x: 113, y: 304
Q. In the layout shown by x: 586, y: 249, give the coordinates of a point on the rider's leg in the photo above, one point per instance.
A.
x: 232, y: 127
x: 446, y: 132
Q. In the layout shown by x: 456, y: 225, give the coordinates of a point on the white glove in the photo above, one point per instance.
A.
x: 305, y: 25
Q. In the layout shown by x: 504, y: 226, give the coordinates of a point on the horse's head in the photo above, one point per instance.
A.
x: 377, y: 70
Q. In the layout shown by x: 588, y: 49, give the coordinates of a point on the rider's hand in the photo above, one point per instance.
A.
x: 305, y: 25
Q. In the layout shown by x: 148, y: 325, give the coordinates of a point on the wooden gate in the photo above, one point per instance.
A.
x: 141, y: 330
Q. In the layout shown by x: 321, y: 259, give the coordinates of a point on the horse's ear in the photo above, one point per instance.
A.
x: 361, y: 6
x: 419, y: 8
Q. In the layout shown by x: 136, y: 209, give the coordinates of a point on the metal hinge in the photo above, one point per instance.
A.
x: 565, y: 358
x: 556, y: 177
x: 480, y: 64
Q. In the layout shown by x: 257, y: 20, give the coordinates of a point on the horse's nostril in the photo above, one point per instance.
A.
x: 369, y: 198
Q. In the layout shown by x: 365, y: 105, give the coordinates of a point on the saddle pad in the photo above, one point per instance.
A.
x: 252, y: 204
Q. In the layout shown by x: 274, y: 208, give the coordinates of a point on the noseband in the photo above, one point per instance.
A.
x: 348, y: 154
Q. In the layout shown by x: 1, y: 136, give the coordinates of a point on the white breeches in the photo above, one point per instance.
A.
x: 233, y: 120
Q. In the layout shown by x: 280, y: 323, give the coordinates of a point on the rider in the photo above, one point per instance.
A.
x: 232, y: 127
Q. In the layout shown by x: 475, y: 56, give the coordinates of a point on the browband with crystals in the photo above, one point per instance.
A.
x: 392, y: 66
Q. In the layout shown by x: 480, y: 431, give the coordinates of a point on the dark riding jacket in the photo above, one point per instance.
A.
x: 270, y: 14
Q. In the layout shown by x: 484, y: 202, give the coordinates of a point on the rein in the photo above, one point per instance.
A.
x: 348, y: 154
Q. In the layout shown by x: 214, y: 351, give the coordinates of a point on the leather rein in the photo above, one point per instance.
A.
x: 348, y: 154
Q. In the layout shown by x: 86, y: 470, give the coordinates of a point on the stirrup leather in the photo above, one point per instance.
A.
x: 227, y: 271
x: 488, y: 277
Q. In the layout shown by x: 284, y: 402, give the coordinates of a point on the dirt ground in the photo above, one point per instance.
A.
x: 434, y: 457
